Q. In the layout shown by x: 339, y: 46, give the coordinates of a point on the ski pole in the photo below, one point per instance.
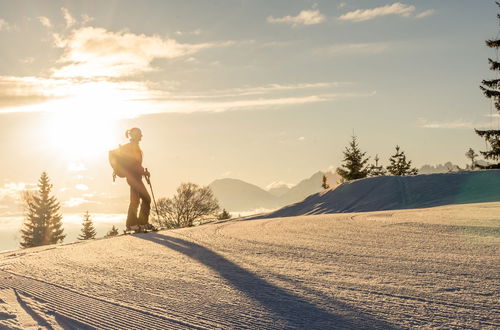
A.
x: 148, y: 180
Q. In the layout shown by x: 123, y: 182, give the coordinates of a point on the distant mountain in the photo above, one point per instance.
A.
x: 239, y: 196
x: 400, y: 192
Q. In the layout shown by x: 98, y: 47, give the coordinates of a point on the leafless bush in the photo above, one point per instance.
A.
x: 191, y: 204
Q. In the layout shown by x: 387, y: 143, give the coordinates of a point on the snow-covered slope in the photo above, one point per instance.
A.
x: 425, y: 268
x: 395, y: 192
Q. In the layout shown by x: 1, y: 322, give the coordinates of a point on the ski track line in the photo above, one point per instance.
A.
x: 91, y: 311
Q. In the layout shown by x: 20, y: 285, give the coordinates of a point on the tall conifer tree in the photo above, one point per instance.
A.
x: 354, y: 162
x: 43, y: 223
x: 88, y: 229
x: 491, y: 88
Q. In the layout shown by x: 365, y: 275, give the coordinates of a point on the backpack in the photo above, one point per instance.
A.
x: 117, y: 162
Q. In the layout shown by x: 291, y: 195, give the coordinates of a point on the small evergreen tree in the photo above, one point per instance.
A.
x: 491, y: 89
x: 354, y: 164
x: 112, y: 232
x: 399, y: 165
x: 88, y: 229
x: 42, y: 224
x: 471, y: 154
x: 376, y: 169
x: 224, y: 215
x: 325, y: 184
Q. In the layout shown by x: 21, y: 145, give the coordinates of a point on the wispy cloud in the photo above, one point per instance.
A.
x: 14, y: 188
x: 455, y: 124
x: 356, y: 48
x: 27, y: 60
x: 425, y: 13
x: 279, y: 184
x: 96, y: 52
x: 99, y: 64
x: 135, y: 98
x: 265, y: 89
x: 19, y: 91
x: 305, y: 17
x: 360, y: 15
x: 4, y: 26
x: 196, y: 32
x: 70, y: 21
x: 45, y: 21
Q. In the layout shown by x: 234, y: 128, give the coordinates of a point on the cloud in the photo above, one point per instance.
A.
x: 27, y: 60
x: 368, y: 14
x: 20, y: 91
x: 95, y: 52
x: 455, y: 124
x: 260, y: 90
x: 45, y: 21
x: 305, y: 17
x: 302, y: 138
x: 70, y: 21
x: 81, y: 186
x: 279, y: 184
x: 13, y: 189
x: 425, y: 13
x: 4, y: 26
x: 356, y: 48
x: 86, y: 19
x: 76, y: 167
x: 76, y: 201
x: 196, y: 32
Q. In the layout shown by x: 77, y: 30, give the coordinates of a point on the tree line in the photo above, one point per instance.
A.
x: 43, y: 225
x: 355, y: 164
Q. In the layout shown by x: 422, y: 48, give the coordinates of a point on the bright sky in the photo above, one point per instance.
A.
x: 262, y: 91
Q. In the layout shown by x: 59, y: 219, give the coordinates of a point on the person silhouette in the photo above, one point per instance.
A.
x: 134, y: 173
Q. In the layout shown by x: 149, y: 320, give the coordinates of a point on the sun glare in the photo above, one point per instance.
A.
x: 84, y: 125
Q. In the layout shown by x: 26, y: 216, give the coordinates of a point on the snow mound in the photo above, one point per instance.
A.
x: 397, y: 192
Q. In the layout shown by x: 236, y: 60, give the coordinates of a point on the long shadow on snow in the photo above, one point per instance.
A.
x: 294, y: 310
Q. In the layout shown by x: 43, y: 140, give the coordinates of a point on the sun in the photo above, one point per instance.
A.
x: 85, y: 124
x: 78, y: 134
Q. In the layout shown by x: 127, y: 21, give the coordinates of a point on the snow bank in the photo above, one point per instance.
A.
x: 396, y: 192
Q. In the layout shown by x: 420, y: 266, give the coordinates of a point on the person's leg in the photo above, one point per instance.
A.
x: 145, y: 204
x: 142, y: 194
x: 132, y: 219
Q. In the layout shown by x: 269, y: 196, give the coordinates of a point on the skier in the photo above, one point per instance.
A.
x: 132, y: 153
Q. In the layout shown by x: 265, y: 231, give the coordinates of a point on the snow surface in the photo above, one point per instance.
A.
x: 429, y: 268
x: 399, y: 192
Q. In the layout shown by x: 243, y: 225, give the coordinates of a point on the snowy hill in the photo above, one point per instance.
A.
x: 395, y: 192
x: 426, y: 268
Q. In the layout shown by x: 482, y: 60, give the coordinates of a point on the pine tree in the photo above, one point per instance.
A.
x: 471, y: 154
x: 491, y: 89
x: 325, y: 184
x: 88, y: 229
x: 399, y: 165
x: 112, y: 232
x: 376, y: 169
x: 43, y: 223
x: 354, y: 163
